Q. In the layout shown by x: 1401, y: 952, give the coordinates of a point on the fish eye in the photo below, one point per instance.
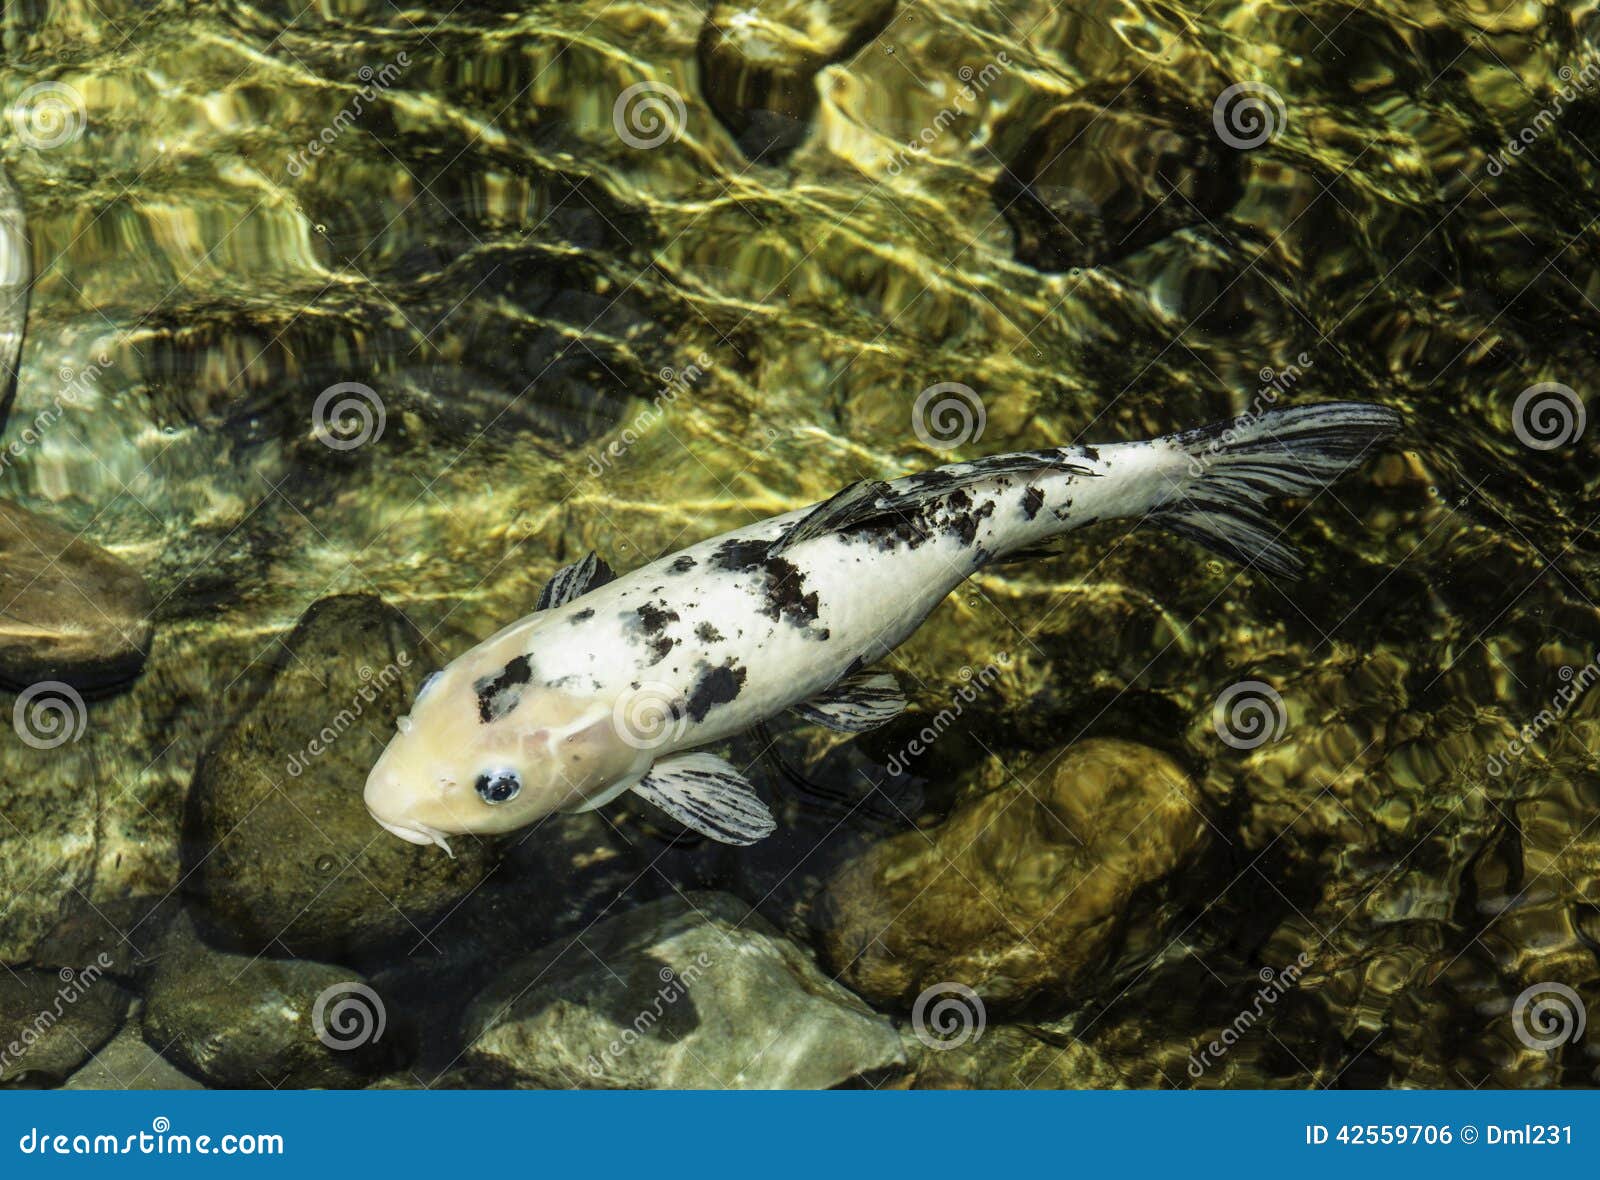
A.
x: 498, y: 786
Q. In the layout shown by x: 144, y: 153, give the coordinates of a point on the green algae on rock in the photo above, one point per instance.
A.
x: 250, y: 1022
x: 282, y: 849
x: 1023, y: 893
x: 690, y: 992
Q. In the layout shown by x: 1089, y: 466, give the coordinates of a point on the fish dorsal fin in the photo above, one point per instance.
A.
x: 575, y: 580
x: 874, y: 502
x: 703, y: 792
x: 856, y: 703
x: 852, y: 503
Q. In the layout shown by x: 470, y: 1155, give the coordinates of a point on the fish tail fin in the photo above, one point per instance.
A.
x: 1234, y: 468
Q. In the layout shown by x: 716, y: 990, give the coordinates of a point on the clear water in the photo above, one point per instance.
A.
x: 578, y: 342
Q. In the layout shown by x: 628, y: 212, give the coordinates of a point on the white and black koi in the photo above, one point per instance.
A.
x: 614, y: 683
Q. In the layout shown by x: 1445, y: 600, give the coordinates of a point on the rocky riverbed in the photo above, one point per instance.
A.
x: 344, y: 333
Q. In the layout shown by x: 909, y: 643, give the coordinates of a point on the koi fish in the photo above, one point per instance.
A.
x: 617, y: 684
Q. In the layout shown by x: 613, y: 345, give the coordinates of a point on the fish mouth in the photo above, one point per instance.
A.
x: 419, y: 834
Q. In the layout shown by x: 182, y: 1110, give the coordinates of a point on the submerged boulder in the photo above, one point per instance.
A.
x: 249, y: 1022
x: 53, y: 1021
x: 1022, y: 893
x: 690, y: 992
x: 74, y: 613
x: 281, y: 849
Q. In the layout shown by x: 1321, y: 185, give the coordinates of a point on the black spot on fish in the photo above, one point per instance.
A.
x: 652, y: 622
x: 1091, y: 454
x: 681, y: 565
x: 586, y: 613
x: 1032, y: 501
x: 498, y: 695
x: 706, y: 633
x: 713, y: 687
x: 740, y: 556
x: 786, y: 598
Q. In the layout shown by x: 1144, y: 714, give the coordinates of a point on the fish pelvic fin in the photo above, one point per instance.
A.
x: 1235, y: 468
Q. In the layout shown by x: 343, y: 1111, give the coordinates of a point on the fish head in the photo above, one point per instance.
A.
x: 457, y: 767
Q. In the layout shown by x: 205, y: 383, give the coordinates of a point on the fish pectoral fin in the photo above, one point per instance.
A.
x: 856, y: 704
x: 704, y: 793
x: 574, y: 581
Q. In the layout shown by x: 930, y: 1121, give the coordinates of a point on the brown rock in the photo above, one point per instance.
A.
x: 69, y: 610
x: 1022, y: 893
x: 280, y: 847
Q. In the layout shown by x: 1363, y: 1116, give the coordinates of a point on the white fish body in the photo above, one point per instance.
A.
x: 615, y: 681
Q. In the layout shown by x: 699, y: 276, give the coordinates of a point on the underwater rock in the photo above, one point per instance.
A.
x: 1022, y: 893
x: 51, y: 1021
x: 128, y: 1062
x: 691, y: 992
x: 758, y: 63
x: 1009, y: 1057
x: 244, y: 1022
x: 279, y: 843
x: 16, y: 279
x: 74, y: 612
x: 1110, y: 172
